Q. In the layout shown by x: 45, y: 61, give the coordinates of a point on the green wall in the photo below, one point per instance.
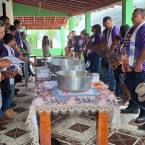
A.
x: 25, y: 10
x: 127, y: 10
x: 88, y: 22
x: 53, y: 51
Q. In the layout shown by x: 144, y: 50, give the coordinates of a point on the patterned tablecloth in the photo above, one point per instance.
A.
x: 46, y: 100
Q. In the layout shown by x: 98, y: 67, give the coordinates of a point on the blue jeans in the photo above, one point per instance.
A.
x: 28, y: 57
x: 108, y: 77
x: 7, y: 99
x: 133, y: 79
x: 94, y: 62
x: 1, y: 113
x: 118, y: 83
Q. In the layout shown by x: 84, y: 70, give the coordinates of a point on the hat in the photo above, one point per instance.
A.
x: 140, y: 90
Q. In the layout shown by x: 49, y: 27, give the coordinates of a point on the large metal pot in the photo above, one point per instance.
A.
x: 74, y: 81
x: 66, y: 64
x: 44, y: 61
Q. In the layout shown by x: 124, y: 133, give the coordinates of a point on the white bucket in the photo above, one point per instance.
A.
x: 95, y: 78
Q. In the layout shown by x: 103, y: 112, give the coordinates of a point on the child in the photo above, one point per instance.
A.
x: 116, y: 53
x: 79, y: 45
x: 115, y: 56
x: 119, y: 76
x: 84, y: 47
x: 71, y: 43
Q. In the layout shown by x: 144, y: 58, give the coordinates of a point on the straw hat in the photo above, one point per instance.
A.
x: 140, y: 90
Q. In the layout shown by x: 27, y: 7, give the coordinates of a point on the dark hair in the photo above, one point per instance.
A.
x: 106, y: 19
x: 123, y: 29
x: 1, y: 23
x: 86, y: 34
x: 73, y: 31
x: 82, y: 32
x: 98, y: 30
x: 44, y: 43
x: 7, y: 38
x: 141, y: 11
x: 3, y: 18
x: 12, y: 28
x: 118, y: 37
x: 22, y: 33
x: 16, y: 22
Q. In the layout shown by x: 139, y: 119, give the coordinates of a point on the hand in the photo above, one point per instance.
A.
x: 5, y: 63
x: 80, y: 49
x: 33, y: 64
x: 138, y: 67
x: 98, y: 51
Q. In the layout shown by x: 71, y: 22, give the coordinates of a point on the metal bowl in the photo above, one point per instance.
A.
x: 74, y: 81
x: 66, y: 64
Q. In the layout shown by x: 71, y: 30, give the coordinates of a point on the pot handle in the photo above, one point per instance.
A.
x: 52, y: 74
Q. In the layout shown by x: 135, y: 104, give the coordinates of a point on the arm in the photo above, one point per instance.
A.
x: 102, y: 45
x: 138, y: 67
x: 5, y: 63
x: 140, y: 60
x: 111, y: 49
x: 26, y: 60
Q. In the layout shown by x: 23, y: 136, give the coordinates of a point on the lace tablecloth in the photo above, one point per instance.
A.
x: 46, y: 100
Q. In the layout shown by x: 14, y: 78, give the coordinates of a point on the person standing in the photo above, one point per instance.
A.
x: 26, y: 47
x: 94, y: 57
x: 112, y: 32
x: 134, y: 46
x: 79, y: 45
x: 45, y: 46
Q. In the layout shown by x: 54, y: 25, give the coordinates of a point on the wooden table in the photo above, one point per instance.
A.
x: 33, y: 56
x: 101, y: 129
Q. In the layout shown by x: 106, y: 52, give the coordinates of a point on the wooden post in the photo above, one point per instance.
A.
x: 102, y: 129
x: 45, y: 129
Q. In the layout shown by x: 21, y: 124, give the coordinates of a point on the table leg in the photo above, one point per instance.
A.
x: 35, y: 59
x: 102, y: 129
x: 45, y: 129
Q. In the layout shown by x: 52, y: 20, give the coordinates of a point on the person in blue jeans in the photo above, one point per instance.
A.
x: 134, y: 66
x: 26, y: 47
x: 93, y: 56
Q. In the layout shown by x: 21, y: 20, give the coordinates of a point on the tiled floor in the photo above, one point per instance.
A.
x: 68, y: 129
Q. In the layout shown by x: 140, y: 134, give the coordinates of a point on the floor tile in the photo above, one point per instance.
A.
x: 63, y: 128
x: 122, y: 139
x: 20, y: 109
x: 79, y: 127
x: 21, y: 95
x: 15, y: 133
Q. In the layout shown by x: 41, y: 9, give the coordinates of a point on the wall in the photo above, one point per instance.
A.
x: 9, y: 10
x: 1, y: 12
